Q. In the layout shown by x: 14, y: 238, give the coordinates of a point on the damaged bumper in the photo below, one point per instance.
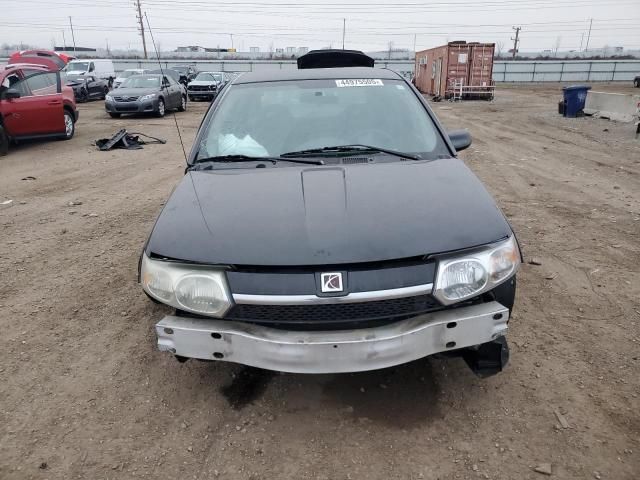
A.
x: 333, y: 351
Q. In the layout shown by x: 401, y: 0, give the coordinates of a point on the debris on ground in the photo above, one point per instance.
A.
x: 544, y: 468
x: 561, y: 419
x: 30, y: 177
x: 535, y: 261
x: 126, y: 140
x: 6, y: 202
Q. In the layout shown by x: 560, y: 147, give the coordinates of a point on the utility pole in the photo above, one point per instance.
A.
x: 589, y: 34
x: 581, y: 41
x: 415, y: 40
x: 231, y: 35
x: 344, y: 27
x: 72, y: 35
x: 516, y: 40
x: 144, y: 41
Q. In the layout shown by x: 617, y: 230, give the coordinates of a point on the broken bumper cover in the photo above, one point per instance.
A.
x: 333, y: 351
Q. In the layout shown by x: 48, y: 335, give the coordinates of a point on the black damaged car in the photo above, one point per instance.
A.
x: 325, y: 224
x: 87, y: 87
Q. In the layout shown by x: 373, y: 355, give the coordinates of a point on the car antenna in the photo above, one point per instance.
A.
x: 184, y: 152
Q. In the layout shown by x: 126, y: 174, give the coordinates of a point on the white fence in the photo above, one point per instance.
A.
x: 503, y: 71
x: 566, y: 71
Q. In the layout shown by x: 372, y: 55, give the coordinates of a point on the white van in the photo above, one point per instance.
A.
x: 94, y: 66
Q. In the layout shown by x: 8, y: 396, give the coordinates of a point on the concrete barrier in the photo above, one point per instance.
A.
x: 614, y: 106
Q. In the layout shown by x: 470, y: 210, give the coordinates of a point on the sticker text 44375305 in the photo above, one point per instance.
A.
x: 360, y: 82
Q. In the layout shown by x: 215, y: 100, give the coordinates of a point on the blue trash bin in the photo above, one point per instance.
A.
x: 574, y: 98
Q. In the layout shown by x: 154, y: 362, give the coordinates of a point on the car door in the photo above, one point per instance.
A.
x: 174, y: 92
x: 93, y: 86
x: 39, y: 110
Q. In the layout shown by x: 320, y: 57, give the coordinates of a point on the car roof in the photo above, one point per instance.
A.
x: 316, y: 74
x: 34, y: 66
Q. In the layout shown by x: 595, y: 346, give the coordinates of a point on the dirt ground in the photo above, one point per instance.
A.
x: 85, y: 394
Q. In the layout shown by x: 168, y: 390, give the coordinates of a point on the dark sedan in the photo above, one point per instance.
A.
x: 87, y: 87
x: 146, y: 94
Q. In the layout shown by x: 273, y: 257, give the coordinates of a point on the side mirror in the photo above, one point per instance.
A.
x: 460, y: 139
x: 11, y: 93
x: 92, y: 68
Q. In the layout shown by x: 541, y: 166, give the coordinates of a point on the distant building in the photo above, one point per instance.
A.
x: 254, y: 49
x: 291, y: 50
x: 279, y: 51
x: 302, y: 50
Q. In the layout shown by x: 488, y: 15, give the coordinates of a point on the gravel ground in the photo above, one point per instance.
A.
x: 84, y: 393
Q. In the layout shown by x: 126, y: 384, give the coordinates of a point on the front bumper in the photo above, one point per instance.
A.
x: 137, y: 106
x: 333, y: 351
x: 202, y: 93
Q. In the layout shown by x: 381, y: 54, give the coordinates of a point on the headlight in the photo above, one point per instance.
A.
x: 466, y: 276
x: 108, y: 98
x: 193, y: 288
x: 147, y: 97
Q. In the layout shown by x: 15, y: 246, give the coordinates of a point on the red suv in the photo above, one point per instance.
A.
x: 34, y: 103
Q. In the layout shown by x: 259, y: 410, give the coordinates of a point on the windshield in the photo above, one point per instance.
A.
x: 128, y: 73
x: 142, y: 81
x: 272, y: 118
x: 181, y: 69
x: 78, y: 66
x: 208, y: 77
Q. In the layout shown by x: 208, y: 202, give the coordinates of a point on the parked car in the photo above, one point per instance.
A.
x: 100, y: 68
x: 34, y: 104
x: 54, y: 61
x: 122, y: 76
x: 187, y: 73
x: 147, y: 93
x: 206, y: 85
x: 87, y: 87
x: 180, y: 79
x: 325, y: 224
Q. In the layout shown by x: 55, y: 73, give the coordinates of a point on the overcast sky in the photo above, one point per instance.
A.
x: 370, y: 25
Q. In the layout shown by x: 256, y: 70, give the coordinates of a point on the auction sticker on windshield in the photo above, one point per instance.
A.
x: 360, y: 82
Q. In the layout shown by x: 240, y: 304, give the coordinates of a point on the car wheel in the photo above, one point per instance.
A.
x: 114, y: 115
x: 161, y: 108
x: 191, y: 99
x: 637, y: 84
x: 69, y: 125
x: 183, y: 104
x: 4, y: 142
x: 84, y: 96
x: 104, y: 93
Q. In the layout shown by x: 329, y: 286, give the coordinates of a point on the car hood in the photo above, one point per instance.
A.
x: 205, y: 83
x: 132, y: 92
x: 326, y: 215
x: 76, y: 72
x: 74, y: 83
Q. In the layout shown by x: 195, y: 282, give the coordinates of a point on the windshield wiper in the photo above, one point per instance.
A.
x: 249, y: 158
x: 351, y: 149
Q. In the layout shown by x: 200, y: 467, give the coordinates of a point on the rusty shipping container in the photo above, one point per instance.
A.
x: 458, y: 70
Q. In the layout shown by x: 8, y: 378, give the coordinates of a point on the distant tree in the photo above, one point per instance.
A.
x: 499, y: 49
x: 556, y: 46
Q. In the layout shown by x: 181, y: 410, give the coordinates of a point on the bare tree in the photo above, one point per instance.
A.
x: 390, y: 49
x: 499, y: 49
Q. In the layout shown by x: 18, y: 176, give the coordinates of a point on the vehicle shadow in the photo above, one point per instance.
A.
x: 404, y: 396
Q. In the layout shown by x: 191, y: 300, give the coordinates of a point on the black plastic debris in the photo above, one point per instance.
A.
x: 126, y: 140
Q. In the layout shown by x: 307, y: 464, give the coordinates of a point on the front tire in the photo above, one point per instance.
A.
x: 161, y: 109
x: 183, y: 104
x: 4, y: 142
x: 114, y: 115
x: 84, y: 96
x: 636, y: 84
x: 69, y: 125
x: 104, y: 93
